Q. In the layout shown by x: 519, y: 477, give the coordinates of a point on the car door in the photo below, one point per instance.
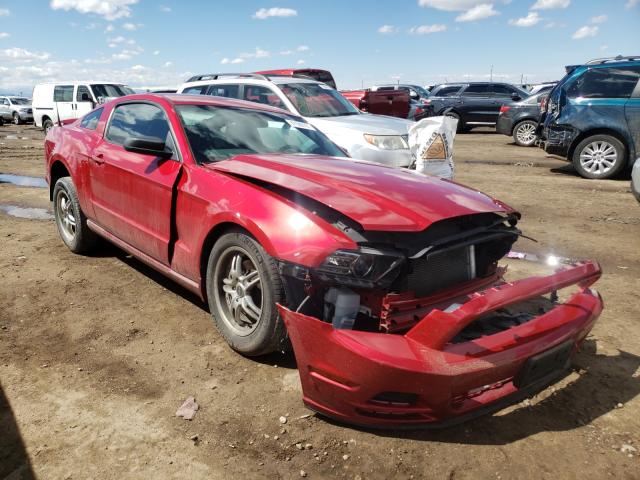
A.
x: 84, y: 101
x: 63, y: 102
x: 476, y: 105
x: 133, y: 192
x: 5, y: 108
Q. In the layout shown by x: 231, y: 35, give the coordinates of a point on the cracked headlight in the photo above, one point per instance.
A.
x: 364, y: 268
x: 387, y: 142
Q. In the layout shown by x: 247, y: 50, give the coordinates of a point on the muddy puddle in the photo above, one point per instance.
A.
x: 30, y: 213
x: 22, y: 180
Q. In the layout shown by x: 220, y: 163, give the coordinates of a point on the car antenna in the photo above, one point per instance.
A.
x: 57, y: 113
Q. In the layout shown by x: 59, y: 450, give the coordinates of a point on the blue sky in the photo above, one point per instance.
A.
x: 147, y: 43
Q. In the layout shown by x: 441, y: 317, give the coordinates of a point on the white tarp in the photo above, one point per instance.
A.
x: 431, y: 144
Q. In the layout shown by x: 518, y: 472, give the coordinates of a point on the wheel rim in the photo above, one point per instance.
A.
x: 47, y: 127
x: 598, y: 157
x: 526, y: 133
x: 65, y: 216
x: 238, y: 291
x: 16, y: 119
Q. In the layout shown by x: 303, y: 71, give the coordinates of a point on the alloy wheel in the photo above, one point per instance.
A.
x: 598, y: 157
x: 65, y: 216
x: 526, y: 133
x: 239, y: 290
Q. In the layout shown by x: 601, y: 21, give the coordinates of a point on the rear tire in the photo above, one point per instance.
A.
x: 599, y: 157
x: 243, y: 287
x: 47, y: 125
x: 524, y: 133
x: 71, y: 222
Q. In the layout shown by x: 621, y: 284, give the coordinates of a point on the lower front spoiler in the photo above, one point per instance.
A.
x: 420, y: 379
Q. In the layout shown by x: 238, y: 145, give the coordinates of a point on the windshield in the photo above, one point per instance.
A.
x: 217, y: 133
x: 20, y: 100
x: 317, y: 100
x: 421, y: 91
x: 109, y: 90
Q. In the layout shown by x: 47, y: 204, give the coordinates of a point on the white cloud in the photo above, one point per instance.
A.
x: 232, y: 61
x: 20, y: 54
x: 302, y: 48
x: 550, y: 4
x: 479, y: 12
x: 387, y: 29
x: 599, y: 19
x: 265, y: 13
x: 156, y: 52
x: 110, y: 28
x: 168, y: 64
x: 586, y: 31
x: 109, y: 9
x: 301, y: 62
x: 451, y: 5
x: 426, y: 29
x: 165, y: 9
x: 604, y: 47
x: 631, y: 3
x: 4, y: 35
x: 529, y: 21
x: 131, y: 26
x: 4, y: 12
x: 138, y: 68
x: 259, y: 53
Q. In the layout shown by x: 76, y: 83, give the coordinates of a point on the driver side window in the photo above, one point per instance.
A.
x: 139, y: 120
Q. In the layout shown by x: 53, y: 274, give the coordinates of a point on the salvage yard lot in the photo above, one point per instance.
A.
x: 97, y: 353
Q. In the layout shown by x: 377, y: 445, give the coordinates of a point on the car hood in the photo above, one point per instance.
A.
x: 377, y: 197
x: 364, y: 123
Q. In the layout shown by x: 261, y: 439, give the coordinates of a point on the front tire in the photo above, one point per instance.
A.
x: 243, y: 287
x: 599, y: 157
x: 47, y: 125
x: 460, y: 128
x: 524, y: 133
x: 16, y: 119
x: 70, y: 220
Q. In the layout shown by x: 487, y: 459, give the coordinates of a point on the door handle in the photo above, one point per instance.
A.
x: 99, y: 159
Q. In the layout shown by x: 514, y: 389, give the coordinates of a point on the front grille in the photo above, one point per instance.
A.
x: 441, y: 270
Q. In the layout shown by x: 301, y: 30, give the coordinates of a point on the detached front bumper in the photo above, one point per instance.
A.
x: 422, y: 379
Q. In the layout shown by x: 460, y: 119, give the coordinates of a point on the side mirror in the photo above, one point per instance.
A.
x: 147, y: 146
x: 84, y: 97
x: 515, y: 97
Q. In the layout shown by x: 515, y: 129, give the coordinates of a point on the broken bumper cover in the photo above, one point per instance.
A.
x: 420, y: 378
x: 557, y: 140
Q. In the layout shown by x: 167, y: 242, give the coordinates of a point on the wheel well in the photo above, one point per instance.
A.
x: 210, y: 240
x: 45, y: 117
x: 58, y: 170
x: 597, y: 131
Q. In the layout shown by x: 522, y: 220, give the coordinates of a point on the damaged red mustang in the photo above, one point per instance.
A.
x: 384, y: 281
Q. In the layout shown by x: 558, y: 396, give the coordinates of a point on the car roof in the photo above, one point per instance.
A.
x: 273, y: 79
x: 182, y: 99
x: 85, y: 82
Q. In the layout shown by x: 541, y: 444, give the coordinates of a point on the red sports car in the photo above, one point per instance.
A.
x: 385, y: 282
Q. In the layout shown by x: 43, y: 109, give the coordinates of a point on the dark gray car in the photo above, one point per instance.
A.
x: 474, y: 104
x: 520, y: 119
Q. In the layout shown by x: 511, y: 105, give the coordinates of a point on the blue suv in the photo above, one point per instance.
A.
x: 592, y: 117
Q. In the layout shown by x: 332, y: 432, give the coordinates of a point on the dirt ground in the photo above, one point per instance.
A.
x: 97, y: 353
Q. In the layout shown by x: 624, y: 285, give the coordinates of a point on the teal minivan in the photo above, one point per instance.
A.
x: 592, y: 117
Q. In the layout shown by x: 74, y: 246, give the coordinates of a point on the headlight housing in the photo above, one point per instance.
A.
x: 363, y: 268
x: 387, y: 142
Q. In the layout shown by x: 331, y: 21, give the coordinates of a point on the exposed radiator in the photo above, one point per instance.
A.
x: 441, y: 270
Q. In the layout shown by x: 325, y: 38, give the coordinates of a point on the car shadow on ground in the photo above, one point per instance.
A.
x: 605, y: 382
x: 568, y: 170
x: 14, y: 461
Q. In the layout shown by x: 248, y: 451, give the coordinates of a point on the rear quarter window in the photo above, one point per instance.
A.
x: 605, y: 83
x: 91, y: 119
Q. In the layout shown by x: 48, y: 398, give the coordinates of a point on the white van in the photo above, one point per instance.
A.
x: 53, y: 102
